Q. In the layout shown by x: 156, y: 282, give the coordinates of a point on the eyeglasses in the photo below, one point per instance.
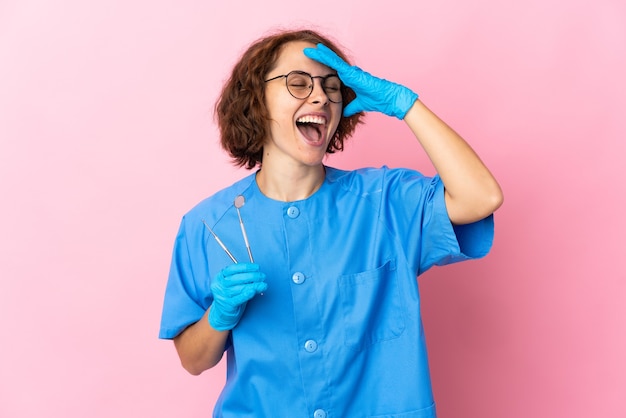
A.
x: 300, y: 85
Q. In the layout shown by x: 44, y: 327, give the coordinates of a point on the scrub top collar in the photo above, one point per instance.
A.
x: 329, y: 176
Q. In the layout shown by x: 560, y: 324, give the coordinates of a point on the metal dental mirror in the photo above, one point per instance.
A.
x: 239, y: 202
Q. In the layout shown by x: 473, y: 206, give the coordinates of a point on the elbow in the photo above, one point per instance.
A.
x: 189, y: 366
x: 495, y: 200
x: 194, y: 371
x: 195, y: 366
x: 488, y: 199
x: 472, y: 208
x: 196, y: 361
x: 489, y: 203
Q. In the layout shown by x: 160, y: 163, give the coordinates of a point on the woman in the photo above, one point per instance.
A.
x: 305, y: 275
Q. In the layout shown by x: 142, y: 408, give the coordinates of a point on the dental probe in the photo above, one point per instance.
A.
x: 219, y: 241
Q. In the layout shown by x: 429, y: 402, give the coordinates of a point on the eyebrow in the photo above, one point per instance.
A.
x: 306, y: 72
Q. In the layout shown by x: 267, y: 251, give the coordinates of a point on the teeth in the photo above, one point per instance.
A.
x: 319, y: 120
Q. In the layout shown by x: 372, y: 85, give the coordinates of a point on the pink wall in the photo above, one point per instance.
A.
x: 106, y: 138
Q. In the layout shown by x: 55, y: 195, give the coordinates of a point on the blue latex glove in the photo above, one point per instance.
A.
x: 372, y: 93
x: 232, y: 288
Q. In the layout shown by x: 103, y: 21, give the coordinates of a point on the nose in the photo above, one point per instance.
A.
x: 318, y: 94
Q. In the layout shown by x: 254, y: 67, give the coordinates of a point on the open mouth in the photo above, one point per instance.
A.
x: 311, y: 127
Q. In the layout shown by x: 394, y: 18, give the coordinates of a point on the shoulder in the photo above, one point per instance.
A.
x: 213, y: 207
x: 371, y: 179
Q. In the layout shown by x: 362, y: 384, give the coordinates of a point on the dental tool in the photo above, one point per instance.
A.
x: 219, y: 241
x: 239, y: 202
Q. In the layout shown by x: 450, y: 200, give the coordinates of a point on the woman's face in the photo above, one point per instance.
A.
x: 300, y: 129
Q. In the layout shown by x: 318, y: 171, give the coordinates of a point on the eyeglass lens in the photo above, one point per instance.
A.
x: 300, y: 85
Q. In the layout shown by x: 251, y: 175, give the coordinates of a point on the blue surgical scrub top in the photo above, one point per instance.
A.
x: 338, y: 333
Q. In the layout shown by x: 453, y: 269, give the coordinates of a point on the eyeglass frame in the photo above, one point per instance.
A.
x: 322, y: 77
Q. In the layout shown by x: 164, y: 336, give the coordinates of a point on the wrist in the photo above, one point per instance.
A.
x: 222, y: 321
x: 405, y: 100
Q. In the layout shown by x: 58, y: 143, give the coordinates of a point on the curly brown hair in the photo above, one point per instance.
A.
x: 241, y: 112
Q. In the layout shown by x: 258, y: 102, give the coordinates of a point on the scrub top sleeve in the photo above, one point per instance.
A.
x: 183, y: 305
x: 444, y: 243
x: 475, y: 239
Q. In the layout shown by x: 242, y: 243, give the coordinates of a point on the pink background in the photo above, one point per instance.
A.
x: 107, y: 138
